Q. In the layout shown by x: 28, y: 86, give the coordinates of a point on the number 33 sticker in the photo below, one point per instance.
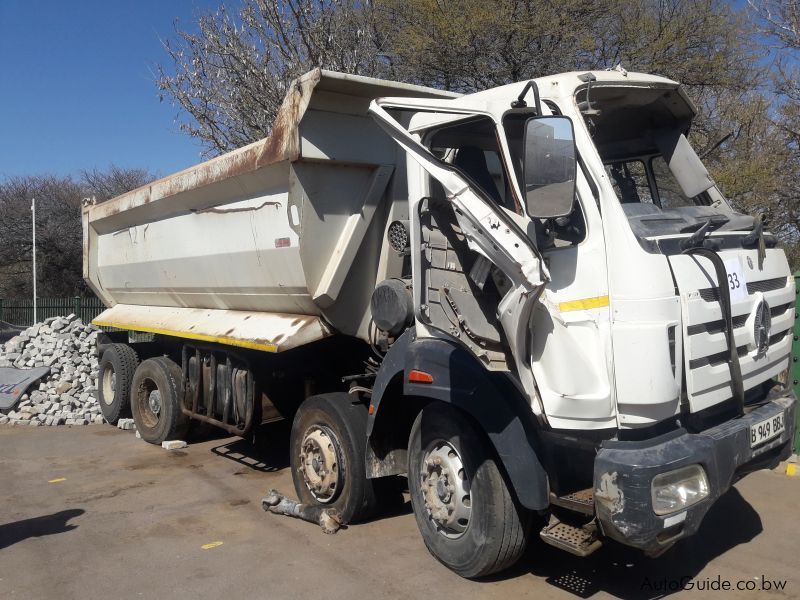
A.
x: 737, y: 284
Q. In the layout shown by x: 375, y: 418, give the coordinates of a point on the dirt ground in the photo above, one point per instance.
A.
x: 92, y: 512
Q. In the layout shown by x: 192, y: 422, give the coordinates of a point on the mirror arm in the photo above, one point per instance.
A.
x: 520, y: 101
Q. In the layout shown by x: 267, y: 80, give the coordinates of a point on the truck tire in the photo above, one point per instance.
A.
x: 116, y: 369
x: 328, y: 445
x: 468, y: 517
x: 156, y: 396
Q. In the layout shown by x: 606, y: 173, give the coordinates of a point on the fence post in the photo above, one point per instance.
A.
x: 76, y: 306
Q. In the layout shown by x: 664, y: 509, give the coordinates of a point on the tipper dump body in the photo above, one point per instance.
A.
x: 284, y: 235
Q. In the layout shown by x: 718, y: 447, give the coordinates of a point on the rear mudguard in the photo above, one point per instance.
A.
x: 490, y: 398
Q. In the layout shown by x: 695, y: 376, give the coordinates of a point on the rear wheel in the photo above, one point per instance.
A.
x: 116, y: 369
x: 464, y: 509
x: 328, y: 443
x: 156, y: 395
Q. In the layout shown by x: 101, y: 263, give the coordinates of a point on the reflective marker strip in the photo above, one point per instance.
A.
x: 416, y: 376
x: 583, y: 304
x: 59, y: 480
x: 675, y: 519
x: 190, y: 336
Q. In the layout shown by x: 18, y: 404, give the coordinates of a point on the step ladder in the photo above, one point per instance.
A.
x: 580, y: 540
x: 581, y: 501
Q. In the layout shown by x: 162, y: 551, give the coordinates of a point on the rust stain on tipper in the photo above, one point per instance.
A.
x: 283, y: 144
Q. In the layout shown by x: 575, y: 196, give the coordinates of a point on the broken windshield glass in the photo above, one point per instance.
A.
x: 663, y: 186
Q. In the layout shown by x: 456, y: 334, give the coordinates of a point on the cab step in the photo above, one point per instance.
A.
x: 581, y: 501
x: 577, y: 540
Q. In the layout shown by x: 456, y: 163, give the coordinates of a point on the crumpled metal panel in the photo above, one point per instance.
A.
x: 15, y: 382
x: 270, y: 332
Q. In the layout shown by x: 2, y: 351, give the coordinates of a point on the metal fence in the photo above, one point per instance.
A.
x: 19, y: 311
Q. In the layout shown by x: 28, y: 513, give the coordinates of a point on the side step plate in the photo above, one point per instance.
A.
x: 580, y: 541
x: 581, y: 501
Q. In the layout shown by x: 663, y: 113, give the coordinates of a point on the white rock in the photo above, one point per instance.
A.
x: 173, y: 444
x: 126, y: 424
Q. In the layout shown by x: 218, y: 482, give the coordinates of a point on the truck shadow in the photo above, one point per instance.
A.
x: 626, y: 573
x: 17, y: 531
x: 267, y: 451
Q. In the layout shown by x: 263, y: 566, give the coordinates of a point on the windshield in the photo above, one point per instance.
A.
x: 633, y: 184
x: 662, y: 184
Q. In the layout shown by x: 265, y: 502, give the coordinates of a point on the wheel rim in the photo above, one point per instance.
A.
x: 148, y: 400
x: 445, y: 490
x: 154, y: 402
x: 321, y: 463
x: 109, y: 384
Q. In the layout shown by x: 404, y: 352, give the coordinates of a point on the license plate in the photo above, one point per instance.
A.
x: 767, y: 429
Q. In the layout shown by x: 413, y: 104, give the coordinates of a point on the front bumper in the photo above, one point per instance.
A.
x: 623, y: 473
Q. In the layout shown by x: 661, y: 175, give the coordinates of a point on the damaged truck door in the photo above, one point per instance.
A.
x: 490, y: 231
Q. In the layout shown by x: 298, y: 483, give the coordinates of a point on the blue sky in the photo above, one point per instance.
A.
x: 77, y: 87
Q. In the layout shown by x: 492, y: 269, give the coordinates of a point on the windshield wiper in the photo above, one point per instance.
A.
x: 714, y: 221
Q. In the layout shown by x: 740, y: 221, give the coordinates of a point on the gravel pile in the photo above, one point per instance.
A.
x: 68, y: 394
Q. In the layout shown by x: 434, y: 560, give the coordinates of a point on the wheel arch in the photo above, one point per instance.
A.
x: 460, y: 380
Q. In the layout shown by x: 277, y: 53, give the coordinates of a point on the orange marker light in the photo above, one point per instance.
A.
x: 420, y: 377
x: 371, y: 409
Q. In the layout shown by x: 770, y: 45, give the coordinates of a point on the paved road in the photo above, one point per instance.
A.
x: 92, y: 512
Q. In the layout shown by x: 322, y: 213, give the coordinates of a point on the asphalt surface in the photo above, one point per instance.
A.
x: 93, y: 512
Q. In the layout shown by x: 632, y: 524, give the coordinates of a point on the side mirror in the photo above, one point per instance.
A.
x: 549, y: 166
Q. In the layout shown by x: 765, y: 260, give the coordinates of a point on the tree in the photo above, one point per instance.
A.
x: 104, y: 185
x: 470, y: 45
x: 59, y: 248
x: 779, y: 21
x: 232, y: 75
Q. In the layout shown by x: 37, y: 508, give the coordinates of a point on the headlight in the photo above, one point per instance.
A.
x: 678, y: 489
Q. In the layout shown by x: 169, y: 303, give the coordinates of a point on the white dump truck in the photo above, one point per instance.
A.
x: 531, y: 301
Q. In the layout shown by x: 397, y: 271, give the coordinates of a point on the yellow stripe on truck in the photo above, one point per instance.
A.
x: 191, y: 336
x: 583, y: 304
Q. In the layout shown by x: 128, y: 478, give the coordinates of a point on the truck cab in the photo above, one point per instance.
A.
x: 564, y: 235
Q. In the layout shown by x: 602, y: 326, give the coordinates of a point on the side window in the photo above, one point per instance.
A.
x: 472, y: 147
x: 629, y: 179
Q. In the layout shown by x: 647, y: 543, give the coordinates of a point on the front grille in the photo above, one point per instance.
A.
x: 722, y: 357
x: 719, y: 326
x: 765, y: 285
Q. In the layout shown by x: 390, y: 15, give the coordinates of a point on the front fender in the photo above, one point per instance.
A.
x: 490, y: 398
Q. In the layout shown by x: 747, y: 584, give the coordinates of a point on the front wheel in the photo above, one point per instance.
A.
x: 464, y: 509
x: 328, y: 444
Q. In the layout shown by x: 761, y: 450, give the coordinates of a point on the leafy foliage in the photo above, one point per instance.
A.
x: 58, y: 228
x: 232, y: 75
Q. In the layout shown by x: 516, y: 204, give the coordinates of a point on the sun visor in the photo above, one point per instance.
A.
x: 684, y: 163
